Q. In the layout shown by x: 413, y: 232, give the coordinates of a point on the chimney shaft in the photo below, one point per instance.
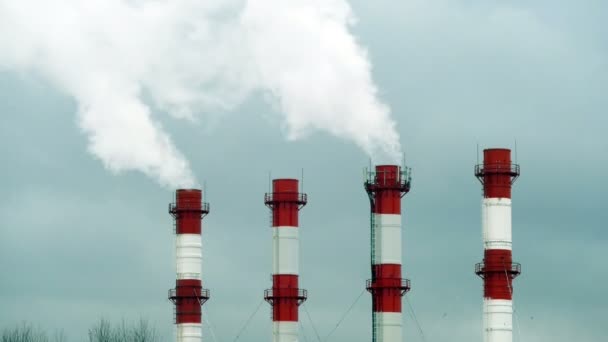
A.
x: 385, y: 186
x: 188, y: 295
x: 497, y: 174
x: 285, y: 201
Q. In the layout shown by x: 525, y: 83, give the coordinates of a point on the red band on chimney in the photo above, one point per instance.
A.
x: 188, y: 205
x: 286, y: 202
x: 286, y: 291
x: 187, y: 304
x: 388, y: 191
x: 497, y: 179
x: 387, y: 288
x: 498, y: 281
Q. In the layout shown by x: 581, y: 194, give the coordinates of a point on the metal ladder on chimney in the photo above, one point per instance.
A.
x: 372, y: 261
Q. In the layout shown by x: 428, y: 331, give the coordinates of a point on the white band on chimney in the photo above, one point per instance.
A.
x: 496, y: 223
x: 387, y: 239
x: 189, y: 256
x: 284, y: 331
x: 389, y: 326
x: 189, y: 332
x: 285, y: 250
x: 498, y: 320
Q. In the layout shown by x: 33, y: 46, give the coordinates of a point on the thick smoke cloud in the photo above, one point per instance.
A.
x: 123, y: 60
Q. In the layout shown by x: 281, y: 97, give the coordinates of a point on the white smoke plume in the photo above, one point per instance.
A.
x: 123, y: 59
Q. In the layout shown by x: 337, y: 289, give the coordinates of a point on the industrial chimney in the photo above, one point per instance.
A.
x: 497, y: 270
x: 188, y: 295
x: 285, y: 201
x: 385, y: 186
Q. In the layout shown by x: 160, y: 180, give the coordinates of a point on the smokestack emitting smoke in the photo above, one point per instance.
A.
x: 385, y: 187
x: 124, y: 60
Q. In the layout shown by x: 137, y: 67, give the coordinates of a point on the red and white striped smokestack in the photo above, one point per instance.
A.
x: 285, y: 201
x: 188, y: 295
x: 497, y: 175
x: 385, y: 188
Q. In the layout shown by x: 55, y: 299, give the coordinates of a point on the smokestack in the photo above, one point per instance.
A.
x: 188, y: 295
x: 497, y: 270
x: 385, y: 187
x: 285, y: 201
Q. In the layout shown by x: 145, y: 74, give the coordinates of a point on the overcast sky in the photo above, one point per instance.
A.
x: 78, y: 242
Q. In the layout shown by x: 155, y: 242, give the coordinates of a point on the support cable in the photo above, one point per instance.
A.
x: 438, y: 321
x: 210, y: 325
x: 518, y: 325
x: 344, y: 315
x: 415, y: 318
x: 248, y: 320
x: 312, y: 323
x: 512, y: 304
x: 303, y: 331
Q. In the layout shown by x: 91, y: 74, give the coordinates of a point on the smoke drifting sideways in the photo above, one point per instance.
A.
x: 123, y: 60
